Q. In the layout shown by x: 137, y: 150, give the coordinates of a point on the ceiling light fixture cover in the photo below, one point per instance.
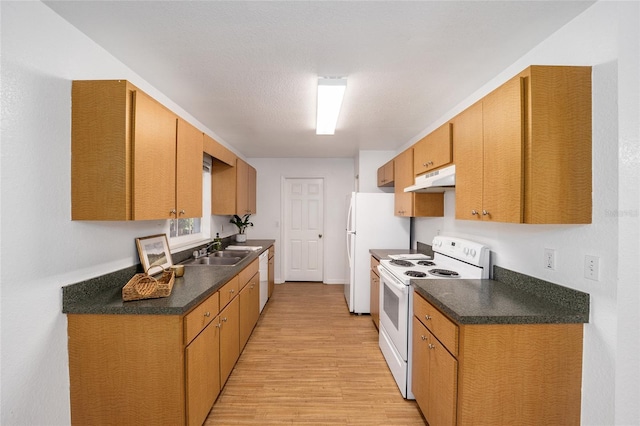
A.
x: 330, y: 93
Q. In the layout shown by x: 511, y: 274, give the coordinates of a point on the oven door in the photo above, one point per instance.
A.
x: 394, y: 310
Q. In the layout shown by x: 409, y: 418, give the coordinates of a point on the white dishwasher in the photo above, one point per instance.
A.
x: 263, y: 268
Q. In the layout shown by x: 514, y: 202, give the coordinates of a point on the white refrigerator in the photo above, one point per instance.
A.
x: 371, y: 224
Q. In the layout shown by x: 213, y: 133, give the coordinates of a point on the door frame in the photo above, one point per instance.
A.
x: 283, y: 204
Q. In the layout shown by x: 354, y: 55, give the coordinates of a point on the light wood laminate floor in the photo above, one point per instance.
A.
x: 311, y: 362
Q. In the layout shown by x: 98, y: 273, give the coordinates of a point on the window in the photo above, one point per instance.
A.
x: 185, y: 232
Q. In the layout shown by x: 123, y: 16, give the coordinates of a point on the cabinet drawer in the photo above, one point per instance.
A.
x: 248, y: 272
x: 442, y: 327
x: 200, y: 316
x: 228, y: 291
x: 374, y: 265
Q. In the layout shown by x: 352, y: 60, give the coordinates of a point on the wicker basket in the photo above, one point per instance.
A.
x: 144, y: 286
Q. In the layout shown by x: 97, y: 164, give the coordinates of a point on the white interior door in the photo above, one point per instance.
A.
x: 304, y: 227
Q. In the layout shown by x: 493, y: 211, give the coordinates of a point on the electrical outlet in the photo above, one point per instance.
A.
x: 592, y: 267
x: 549, y: 258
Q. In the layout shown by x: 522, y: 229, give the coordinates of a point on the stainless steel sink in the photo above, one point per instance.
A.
x: 230, y: 253
x: 219, y: 258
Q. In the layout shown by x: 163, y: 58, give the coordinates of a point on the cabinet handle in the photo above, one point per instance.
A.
x: 431, y: 346
x: 474, y: 212
x: 173, y: 211
x: 485, y: 213
x: 423, y: 337
x: 207, y: 314
x: 427, y: 317
x: 224, y: 319
x: 219, y: 325
x: 232, y: 291
x: 182, y: 212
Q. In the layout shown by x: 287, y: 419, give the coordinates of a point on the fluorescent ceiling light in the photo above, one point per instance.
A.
x: 330, y: 94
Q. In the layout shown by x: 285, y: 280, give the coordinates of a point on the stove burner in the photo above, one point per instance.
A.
x: 399, y: 262
x: 415, y: 274
x: 444, y: 273
x: 426, y: 263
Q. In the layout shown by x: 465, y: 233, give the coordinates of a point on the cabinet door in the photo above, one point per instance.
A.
x: 442, y: 386
x: 154, y: 160
x: 375, y: 299
x: 420, y: 366
x: 403, y: 171
x: 188, y: 171
x: 272, y: 281
x: 229, y: 339
x: 386, y: 175
x: 249, y: 308
x: 468, y: 146
x: 503, y: 178
x: 242, y: 188
x: 252, y: 182
x: 203, y: 373
x: 433, y: 151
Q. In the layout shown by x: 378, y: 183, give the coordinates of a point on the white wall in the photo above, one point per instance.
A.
x: 338, y: 175
x: 606, y: 37
x: 41, y: 248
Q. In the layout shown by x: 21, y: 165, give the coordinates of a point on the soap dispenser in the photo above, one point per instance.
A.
x: 217, y: 242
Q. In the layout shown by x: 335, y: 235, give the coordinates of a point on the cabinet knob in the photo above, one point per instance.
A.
x: 232, y: 291
x: 219, y: 325
x: 474, y: 212
x: 427, y: 317
x: 173, y: 211
x: 431, y: 346
x: 423, y: 337
x: 182, y: 212
x: 224, y: 319
x: 485, y: 213
x: 207, y: 314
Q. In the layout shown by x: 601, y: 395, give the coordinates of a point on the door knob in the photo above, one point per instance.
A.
x: 319, y: 235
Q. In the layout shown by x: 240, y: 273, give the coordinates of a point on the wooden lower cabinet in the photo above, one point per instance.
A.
x: 495, y: 374
x: 375, y: 292
x: 249, y: 309
x: 229, y: 338
x: 160, y: 369
x: 126, y: 369
x: 434, y: 383
x: 202, y: 358
x: 272, y: 281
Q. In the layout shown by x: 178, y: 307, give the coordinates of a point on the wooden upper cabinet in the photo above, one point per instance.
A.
x: 535, y: 137
x: 403, y: 176
x: 386, y: 175
x: 124, y: 156
x: 233, y: 189
x: 188, y: 171
x: 433, y: 151
x: 467, y: 140
x: 218, y: 151
x: 154, y: 159
x: 410, y: 204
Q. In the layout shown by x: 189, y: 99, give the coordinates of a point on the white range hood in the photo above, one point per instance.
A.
x: 437, y: 181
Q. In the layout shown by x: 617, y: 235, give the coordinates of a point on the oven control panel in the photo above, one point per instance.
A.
x: 461, y: 249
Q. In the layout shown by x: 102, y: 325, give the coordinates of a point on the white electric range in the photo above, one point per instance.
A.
x: 454, y: 258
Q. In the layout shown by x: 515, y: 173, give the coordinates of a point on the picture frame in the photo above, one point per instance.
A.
x: 154, y: 252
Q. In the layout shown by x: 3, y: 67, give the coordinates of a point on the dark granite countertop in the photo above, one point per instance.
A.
x: 103, y: 295
x: 509, y: 298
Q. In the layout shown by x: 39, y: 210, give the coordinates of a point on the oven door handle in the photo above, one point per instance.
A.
x: 390, y: 279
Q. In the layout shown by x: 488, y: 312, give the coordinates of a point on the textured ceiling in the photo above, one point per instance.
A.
x: 248, y: 70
